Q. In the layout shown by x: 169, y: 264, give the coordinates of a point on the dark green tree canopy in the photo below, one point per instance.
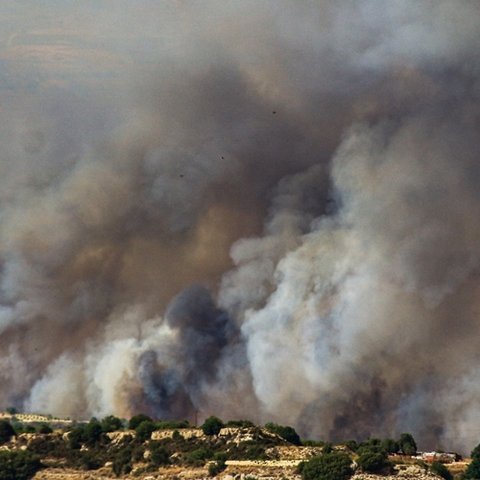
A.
x: 286, y: 432
x: 473, y: 470
x: 6, y: 431
x: 441, y: 470
x: 407, y: 444
x: 373, y: 460
x: 212, y: 426
x: 18, y: 465
x: 330, y: 466
x: 111, y: 424
x: 144, y: 430
x: 136, y: 420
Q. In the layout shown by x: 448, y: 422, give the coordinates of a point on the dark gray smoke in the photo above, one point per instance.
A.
x: 313, y: 165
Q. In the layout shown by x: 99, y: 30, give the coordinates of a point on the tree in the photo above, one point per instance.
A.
x: 239, y: 424
x: 122, y: 463
x: 407, y: 444
x: 136, y: 420
x: 144, y: 430
x: 158, y: 454
x: 44, y: 428
x: 212, y: 426
x: 475, y: 452
x: 6, y: 432
x: 441, y: 470
x: 373, y: 460
x: 390, y: 445
x: 330, y: 466
x: 352, y: 445
x: 93, y: 432
x: 287, y: 433
x: 18, y: 465
x: 111, y: 424
x: 219, y: 465
x: 473, y: 470
x: 76, y: 437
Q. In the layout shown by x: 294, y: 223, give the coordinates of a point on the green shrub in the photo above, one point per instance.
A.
x: 136, y: 420
x: 373, y: 461
x: 390, y: 445
x: 177, y: 436
x: 92, y: 432
x: 76, y: 437
x: 172, y: 424
x: 18, y: 465
x: 287, y: 433
x: 122, y: 462
x: 475, y: 452
x: 330, y: 466
x: 44, y: 428
x: 327, y: 448
x: 212, y: 426
x: 407, y: 444
x: 239, y: 424
x: 215, y: 468
x: 313, y: 443
x: 441, y: 470
x: 89, y: 461
x: 219, y: 465
x: 159, y: 455
x: 144, y: 430
x: 198, y: 456
x: 473, y: 470
x: 351, y: 445
x: 6, y: 432
x: 111, y: 424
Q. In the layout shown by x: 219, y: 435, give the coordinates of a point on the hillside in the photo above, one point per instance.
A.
x: 146, y: 449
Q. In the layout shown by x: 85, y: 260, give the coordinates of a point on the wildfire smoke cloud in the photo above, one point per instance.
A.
x: 284, y: 209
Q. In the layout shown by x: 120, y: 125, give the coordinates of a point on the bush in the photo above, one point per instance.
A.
x: 144, y: 430
x: 373, y: 461
x: 172, y: 424
x: 177, y: 436
x: 287, y: 433
x: 313, y: 443
x: 441, y: 470
x: 136, y: 420
x: 89, y: 461
x: 122, y: 463
x: 44, y: 428
x: 215, y: 468
x: 352, y: 445
x: 390, y: 445
x: 6, y: 432
x: 92, y: 432
x: 198, y: 456
x: 18, y: 465
x: 212, y: 426
x: 111, y: 424
x: 473, y: 470
x: 219, y: 465
x: 76, y: 437
x: 407, y: 444
x: 475, y: 452
x: 330, y: 466
x: 239, y: 424
x: 158, y: 454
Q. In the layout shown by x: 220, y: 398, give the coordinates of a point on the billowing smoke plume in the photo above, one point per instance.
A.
x: 271, y: 212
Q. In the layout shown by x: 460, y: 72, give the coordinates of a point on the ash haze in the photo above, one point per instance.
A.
x: 250, y: 209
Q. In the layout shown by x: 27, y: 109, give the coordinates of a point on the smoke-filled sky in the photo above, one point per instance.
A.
x: 260, y: 209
